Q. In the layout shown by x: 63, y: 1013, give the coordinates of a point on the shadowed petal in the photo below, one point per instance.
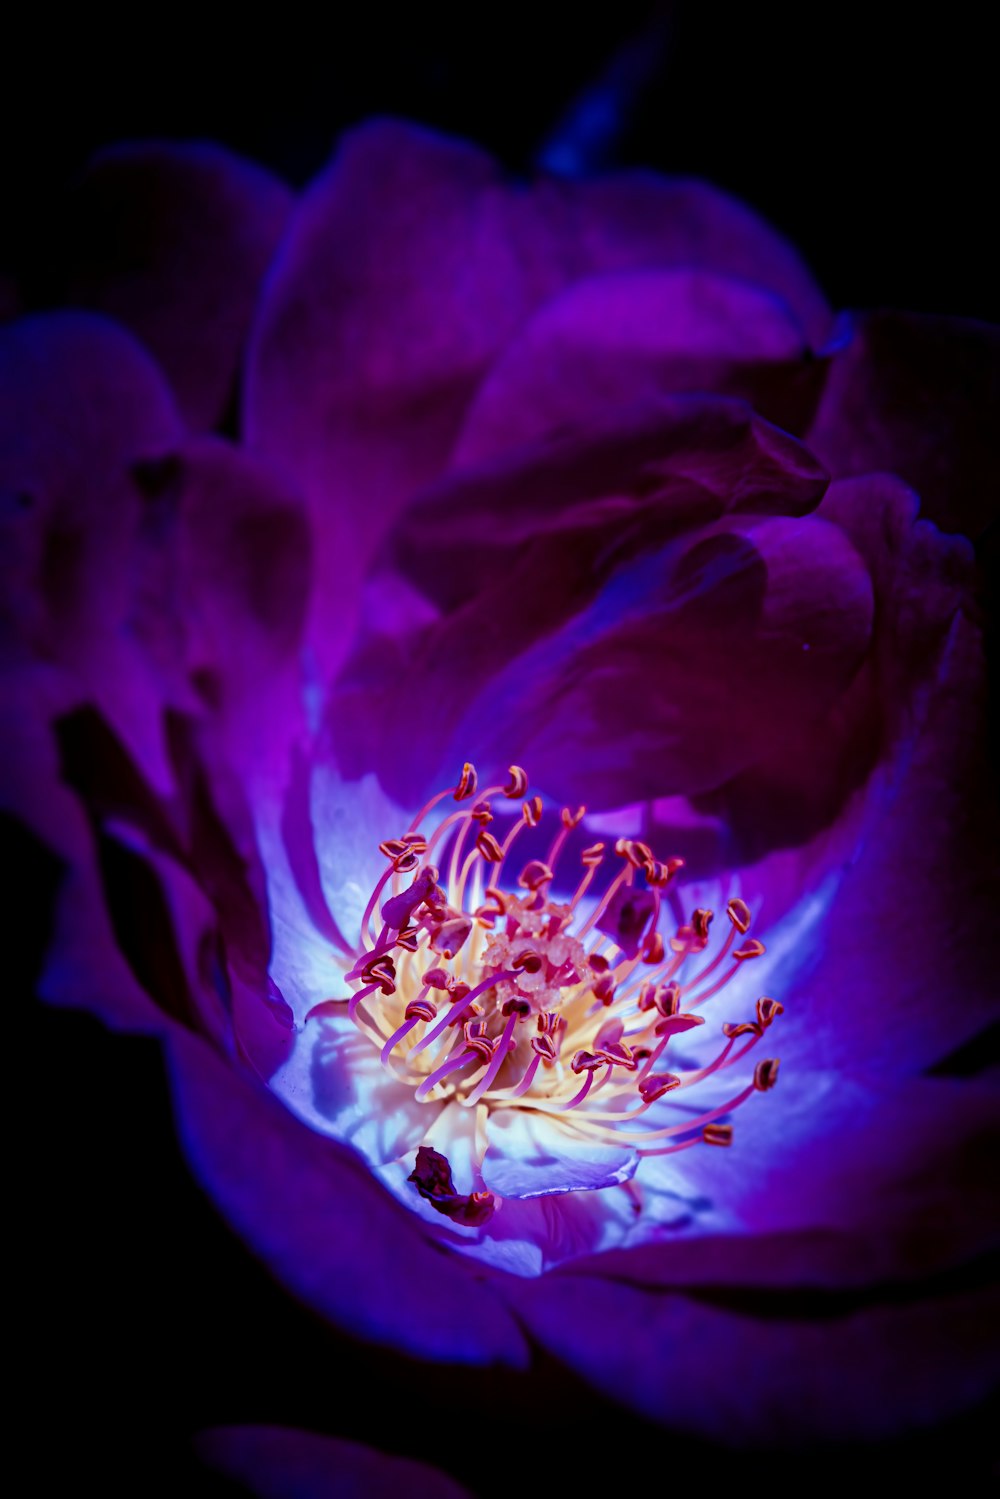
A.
x: 779, y: 1377
x: 315, y: 1215
x: 915, y: 396
x: 615, y: 339
x: 80, y: 404
x: 172, y: 239
x: 902, y: 972
x: 276, y: 1462
x: 531, y: 559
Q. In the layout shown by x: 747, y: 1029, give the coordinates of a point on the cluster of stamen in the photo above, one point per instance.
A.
x: 495, y: 995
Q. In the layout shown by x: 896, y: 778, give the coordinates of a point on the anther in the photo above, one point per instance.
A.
x: 476, y: 1041
x: 668, y: 998
x: 482, y: 813
x: 489, y: 847
x: 751, y: 949
x: 570, y: 819
x: 739, y: 914
x: 619, y: 1055
x: 534, y: 875
x: 731, y: 1029
x: 488, y: 915
x: 529, y: 960
x: 701, y: 920
x: 585, y: 1061
x: 768, y: 1010
x: 518, y: 783
x: 420, y: 1009
x: 381, y: 971
x: 674, y: 1024
x: 655, y: 1084
x: 468, y: 782
x: 592, y: 855
x: 717, y: 1134
x: 532, y: 811
x: 604, y: 988
x: 652, y: 948
x: 765, y: 1074
x: 639, y: 855
x: 391, y: 848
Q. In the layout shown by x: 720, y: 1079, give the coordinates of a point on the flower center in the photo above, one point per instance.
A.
x: 488, y: 992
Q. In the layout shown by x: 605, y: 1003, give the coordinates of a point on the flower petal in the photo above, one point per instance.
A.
x: 747, y: 631
x: 236, y: 558
x: 902, y: 973
x: 313, y: 1212
x: 615, y: 339
x: 684, y: 667
x: 172, y: 239
x: 409, y: 266
x: 529, y: 1155
x: 276, y: 1462
x: 544, y: 553
x: 766, y: 1374
x: 913, y: 395
x: 80, y: 404
x: 902, y: 1169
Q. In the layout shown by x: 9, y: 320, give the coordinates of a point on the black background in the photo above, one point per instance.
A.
x: 869, y: 140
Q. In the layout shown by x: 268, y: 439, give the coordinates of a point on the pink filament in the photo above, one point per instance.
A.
x: 496, y: 1062
x: 451, y: 1063
x: 462, y: 1005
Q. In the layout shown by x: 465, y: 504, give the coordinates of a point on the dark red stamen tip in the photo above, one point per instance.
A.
x: 433, y: 1180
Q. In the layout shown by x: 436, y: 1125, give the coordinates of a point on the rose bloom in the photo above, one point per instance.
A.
x: 501, y: 668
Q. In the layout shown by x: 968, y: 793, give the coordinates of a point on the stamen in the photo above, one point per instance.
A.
x: 518, y: 782
x: 562, y: 1000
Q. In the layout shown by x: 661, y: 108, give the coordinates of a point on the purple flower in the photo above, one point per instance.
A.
x: 583, y: 477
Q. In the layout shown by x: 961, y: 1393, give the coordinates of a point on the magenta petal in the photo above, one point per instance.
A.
x: 408, y: 267
x: 615, y: 339
x: 775, y: 1377
x: 748, y: 633
x: 534, y: 554
x: 915, y: 396
x: 683, y: 669
x: 902, y: 973
x: 640, y: 219
x: 173, y: 239
x: 397, y: 283
x: 922, y: 581
x: 315, y: 1215
x: 276, y: 1462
